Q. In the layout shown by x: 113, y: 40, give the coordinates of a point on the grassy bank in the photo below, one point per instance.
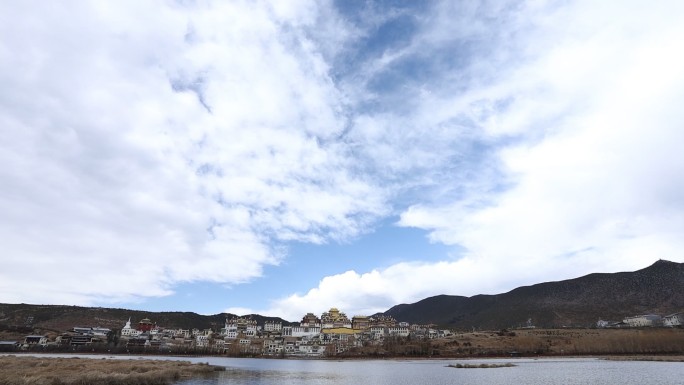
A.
x: 555, y: 342
x: 24, y: 370
x: 647, y: 358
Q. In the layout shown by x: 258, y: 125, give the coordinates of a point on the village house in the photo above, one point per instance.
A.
x: 240, y: 327
x: 8, y: 346
x: 92, y: 331
x: 201, y: 340
x: 81, y: 339
x: 377, y: 333
x: 35, y: 340
x: 139, y: 341
x: 310, y: 349
x: 673, y: 320
x: 182, y: 333
x: 646, y: 320
x: 63, y: 339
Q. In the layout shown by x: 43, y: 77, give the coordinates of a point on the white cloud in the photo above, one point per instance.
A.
x: 146, y: 144
x: 601, y: 172
x: 582, y: 128
x: 375, y: 291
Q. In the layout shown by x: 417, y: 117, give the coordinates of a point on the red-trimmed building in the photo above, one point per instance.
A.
x: 145, y: 325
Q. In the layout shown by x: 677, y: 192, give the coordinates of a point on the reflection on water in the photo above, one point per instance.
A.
x: 429, y: 372
x: 241, y: 376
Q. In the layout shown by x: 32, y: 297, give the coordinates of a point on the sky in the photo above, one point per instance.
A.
x: 285, y: 157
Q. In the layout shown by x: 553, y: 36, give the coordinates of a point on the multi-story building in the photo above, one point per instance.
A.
x: 643, y: 320
x: 243, y: 327
x: 35, y: 340
x: 299, y: 331
x: 310, y: 349
x: 219, y: 345
x: 310, y: 320
x: 201, y: 340
x: 383, y: 320
x: 184, y: 333
x: 360, y: 322
x: 377, y: 332
x: 335, y: 319
x: 81, y: 339
x: 145, y: 325
x: 273, y: 346
x: 273, y: 326
x: 398, y: 331
x: 673, y: 319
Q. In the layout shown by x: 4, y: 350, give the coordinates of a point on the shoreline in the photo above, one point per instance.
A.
x: 178, y: 358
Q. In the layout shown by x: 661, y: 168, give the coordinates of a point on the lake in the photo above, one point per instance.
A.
x: 435, y: 372
x: 528, y: 371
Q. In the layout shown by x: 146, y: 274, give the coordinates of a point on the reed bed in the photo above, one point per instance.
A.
x: 25, y: 370
x: 647, y: 358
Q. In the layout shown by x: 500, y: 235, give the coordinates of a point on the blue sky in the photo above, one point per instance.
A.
x: 288, y: 157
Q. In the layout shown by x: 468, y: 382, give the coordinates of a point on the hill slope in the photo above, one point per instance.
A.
x: 58, y: 318
x: 658, y: 289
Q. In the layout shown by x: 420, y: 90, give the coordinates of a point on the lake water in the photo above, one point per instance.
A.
x: 433, y: 372
x: 546, y: 371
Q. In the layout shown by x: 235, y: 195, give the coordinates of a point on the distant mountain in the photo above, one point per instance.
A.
x: 58, y: 318
x: 657, y: 289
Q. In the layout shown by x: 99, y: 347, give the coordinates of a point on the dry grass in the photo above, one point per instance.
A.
x: 647, y: 358
x: 642, y: 342
x: 24, y: 370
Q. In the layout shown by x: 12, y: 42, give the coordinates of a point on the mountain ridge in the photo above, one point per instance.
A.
x: 577, y: 302
x: 580, y: 302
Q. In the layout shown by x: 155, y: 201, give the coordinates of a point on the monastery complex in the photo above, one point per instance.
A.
x: 332, y: 333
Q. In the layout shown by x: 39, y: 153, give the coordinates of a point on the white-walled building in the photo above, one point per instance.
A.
x: 35, y: 340
x: 240, y: 327
x: 301, y: 331
x: 185, y: 333
x: 400, y: 331
x: 673, y: 320
x: 643, y: 320
x: 273, y: 326
x: 377, y: 332
x: 231, y: 333
x: 201, y: 340
x: 311, y: 349
x: 128, y: 331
